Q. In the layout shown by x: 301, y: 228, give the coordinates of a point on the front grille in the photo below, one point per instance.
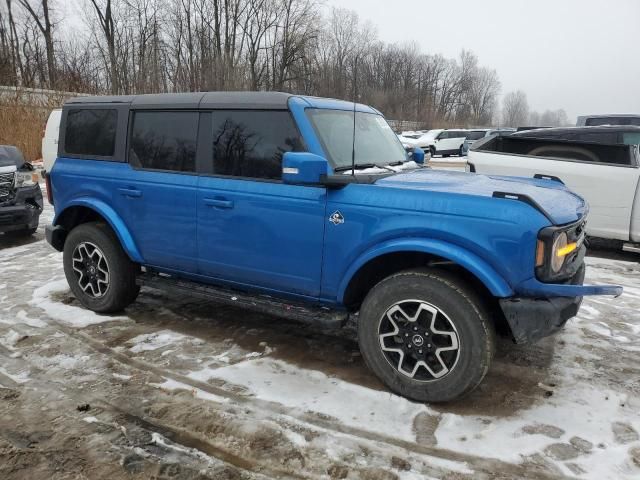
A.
x: 6, y: 184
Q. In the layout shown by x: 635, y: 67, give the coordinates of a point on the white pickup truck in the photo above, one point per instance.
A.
x: 607, y: 176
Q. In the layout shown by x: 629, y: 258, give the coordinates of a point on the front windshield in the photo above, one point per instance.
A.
x: 10, y: 156
x: 375, y: 142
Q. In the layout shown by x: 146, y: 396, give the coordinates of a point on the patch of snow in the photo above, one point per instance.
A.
x: 32, y: 322
x: 10, y: 339
x: 311, y: 390
x: 170, y: 384
x: 122, y: 377
x: 68, y: 314
x: 90, y: 420
x: 21, y: 377
x: 154, y: 341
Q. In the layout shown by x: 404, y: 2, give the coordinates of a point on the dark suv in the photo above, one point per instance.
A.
x: 20, y: 194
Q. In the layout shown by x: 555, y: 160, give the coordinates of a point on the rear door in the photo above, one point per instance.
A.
x: 252, y: 228
x: 157, y: 195
x: 456, y: 139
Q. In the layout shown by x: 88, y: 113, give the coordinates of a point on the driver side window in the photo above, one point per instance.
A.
x: 442, y: 136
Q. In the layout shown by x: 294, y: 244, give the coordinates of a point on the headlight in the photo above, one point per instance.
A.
x: 25, y: 179
x: 557, y: 255
x: 558, y: 252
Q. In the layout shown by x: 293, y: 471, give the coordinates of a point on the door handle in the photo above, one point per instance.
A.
x: 130, y: 192
x: 218, y: 203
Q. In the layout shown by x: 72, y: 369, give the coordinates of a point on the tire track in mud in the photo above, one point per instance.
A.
x: 177, y: 436
x: 488, y: 466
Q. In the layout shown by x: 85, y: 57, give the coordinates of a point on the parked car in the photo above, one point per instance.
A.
x: 606, y: 175
x: 479, y: 133
x: 50, y: 139
x: 442, y: 142
x: 608, y: 135
x: 611, y: 119
x: 448, y: 142
x: 258, y: 199
x: 20, y: 194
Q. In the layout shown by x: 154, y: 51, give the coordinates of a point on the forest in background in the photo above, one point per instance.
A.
x: 299, y: 46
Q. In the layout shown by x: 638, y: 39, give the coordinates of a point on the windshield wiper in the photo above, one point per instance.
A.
x: 361, y: 166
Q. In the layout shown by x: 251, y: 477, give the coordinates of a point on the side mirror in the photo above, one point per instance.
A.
x: 418, y: 155
x: 26, y: 167
x: 303, y: 168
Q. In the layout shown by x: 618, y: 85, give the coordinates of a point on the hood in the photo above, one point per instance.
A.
x: 557, y: 203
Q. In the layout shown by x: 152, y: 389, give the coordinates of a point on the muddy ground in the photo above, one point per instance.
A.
x: 177, y: 388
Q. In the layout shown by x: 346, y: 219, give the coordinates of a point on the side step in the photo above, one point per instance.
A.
x: 260, y: 303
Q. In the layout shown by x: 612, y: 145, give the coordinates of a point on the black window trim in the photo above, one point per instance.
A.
x: 208, y: 140
x: 560, y: 159
x: 62, y: 134
x: 133, y: 111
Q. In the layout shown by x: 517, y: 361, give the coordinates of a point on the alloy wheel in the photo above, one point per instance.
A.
x: 419, y: 340
x: 91, y: 269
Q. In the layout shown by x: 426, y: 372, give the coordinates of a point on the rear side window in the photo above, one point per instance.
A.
x: 475, y: 135
x: 596, y: 121
x: 252, y: 143
x: 164, y: 141
x: 91, y: 132
x: 610, y: 138
x: 631, y: 138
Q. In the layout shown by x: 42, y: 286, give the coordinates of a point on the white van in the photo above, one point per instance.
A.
x: 50, y: 139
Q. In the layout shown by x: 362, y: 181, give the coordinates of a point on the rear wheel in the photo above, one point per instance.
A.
x: 99, y: 272
x: 461, y: 151
x: 426, y: 335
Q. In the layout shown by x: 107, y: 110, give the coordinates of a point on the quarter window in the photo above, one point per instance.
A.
x: 164, y: 141
x: 252, y: 143
x: 91, y: 132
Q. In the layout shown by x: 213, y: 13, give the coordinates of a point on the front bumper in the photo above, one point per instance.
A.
x: 531, y: 319
x: 22, y: 211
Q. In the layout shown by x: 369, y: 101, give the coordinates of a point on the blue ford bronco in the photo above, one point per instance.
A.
x: 310, y: 208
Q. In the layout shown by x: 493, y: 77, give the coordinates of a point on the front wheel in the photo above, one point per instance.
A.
x: 432, y: 149
x: 461, y: 152
x: 99, y: 272
x: 426, y: 335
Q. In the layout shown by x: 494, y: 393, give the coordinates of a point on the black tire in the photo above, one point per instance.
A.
x: 457, y: 305
x: 121, y: 289
x: 432, y: 149
x: 461, y: 151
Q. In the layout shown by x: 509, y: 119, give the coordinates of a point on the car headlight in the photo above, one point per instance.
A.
x: 561, y: 248
x: 558, y: 252
x: 25, y: 179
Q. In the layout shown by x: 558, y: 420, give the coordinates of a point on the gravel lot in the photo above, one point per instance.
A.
x: 177, y: 388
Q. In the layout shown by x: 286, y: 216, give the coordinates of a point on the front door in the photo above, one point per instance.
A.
x: 253, y: 229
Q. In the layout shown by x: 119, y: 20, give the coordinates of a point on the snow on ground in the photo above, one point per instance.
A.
x: 216, y: 387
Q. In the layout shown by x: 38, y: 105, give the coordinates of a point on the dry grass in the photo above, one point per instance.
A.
x: 22, y: 121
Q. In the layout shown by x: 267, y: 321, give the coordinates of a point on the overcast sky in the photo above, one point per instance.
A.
x: 580, y: 55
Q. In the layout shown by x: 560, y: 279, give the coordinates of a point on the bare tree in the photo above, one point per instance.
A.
x: 515, y: 109
x: 41, y: 15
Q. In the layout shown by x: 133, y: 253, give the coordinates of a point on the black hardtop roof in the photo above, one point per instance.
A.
x: 589, y: 129
x: 248, y: 100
